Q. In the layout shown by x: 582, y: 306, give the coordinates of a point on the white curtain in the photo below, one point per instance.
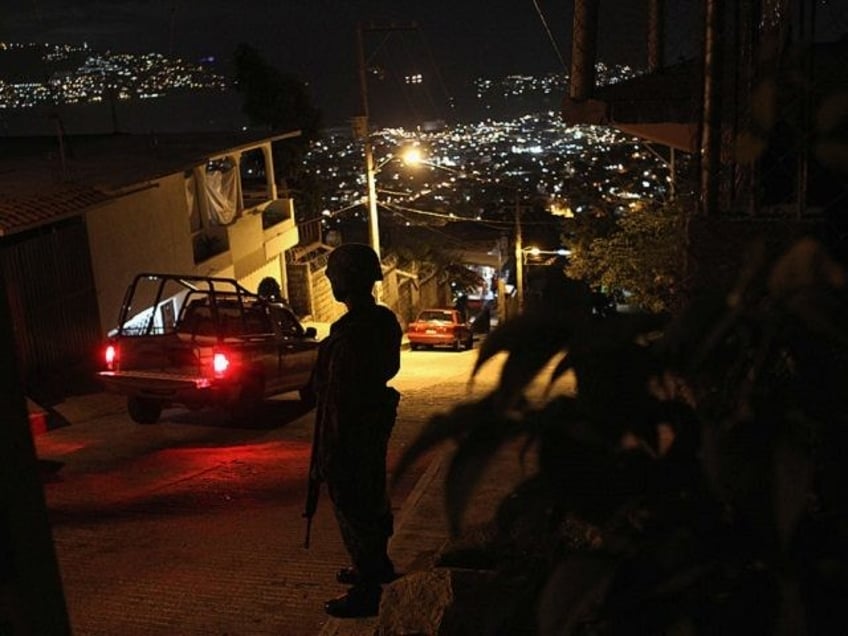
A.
x: 222, y: 195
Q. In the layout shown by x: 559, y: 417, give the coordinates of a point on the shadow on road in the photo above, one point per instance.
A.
x: 271, y: 414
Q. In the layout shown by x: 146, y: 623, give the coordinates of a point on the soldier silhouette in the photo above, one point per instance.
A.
x: 355, y: 413
x: 270, y: 289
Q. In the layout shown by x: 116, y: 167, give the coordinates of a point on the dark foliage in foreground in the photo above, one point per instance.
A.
x: 695, y: 482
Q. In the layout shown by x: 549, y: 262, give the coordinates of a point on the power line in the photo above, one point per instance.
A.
x: 493, y: 223
x: 435, y: 66
x: 331, y: 214
x: 550, y: 34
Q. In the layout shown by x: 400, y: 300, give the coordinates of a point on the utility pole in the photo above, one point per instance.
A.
x: 656, y: 35
x: 363, y: 129
x: 519, y: 256
x: 711, y: 123
x: 807, y: 28
x: 583, y: 49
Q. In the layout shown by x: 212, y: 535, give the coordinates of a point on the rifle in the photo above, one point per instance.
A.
x: 313, y: 488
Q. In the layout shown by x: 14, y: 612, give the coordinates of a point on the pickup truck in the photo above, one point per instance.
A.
x: 196, y: 341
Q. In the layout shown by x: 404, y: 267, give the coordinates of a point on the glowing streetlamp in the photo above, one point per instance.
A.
x: 412, y: 156
x: 535, y: 252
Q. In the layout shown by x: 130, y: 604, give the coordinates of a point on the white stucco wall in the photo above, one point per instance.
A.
x: 147, y: 230
x: 271, y: 268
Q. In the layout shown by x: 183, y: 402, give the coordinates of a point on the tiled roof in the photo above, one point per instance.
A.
x: 42, y: 180
x: 20, y: 213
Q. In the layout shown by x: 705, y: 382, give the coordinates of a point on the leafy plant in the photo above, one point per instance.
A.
x: 694, y: 482
x: 642, y: 252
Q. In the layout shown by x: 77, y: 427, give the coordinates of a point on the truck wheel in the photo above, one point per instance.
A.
x: 144, y: 410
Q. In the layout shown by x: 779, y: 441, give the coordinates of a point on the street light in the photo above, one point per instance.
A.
x: 360, y: 128
x: 536, y: 252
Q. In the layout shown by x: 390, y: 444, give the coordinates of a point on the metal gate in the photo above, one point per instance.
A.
x: 53, y: 301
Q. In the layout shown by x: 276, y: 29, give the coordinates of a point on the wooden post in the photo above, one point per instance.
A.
x: 711, y: 119
x: 656, y: 34
x: 583, y: 49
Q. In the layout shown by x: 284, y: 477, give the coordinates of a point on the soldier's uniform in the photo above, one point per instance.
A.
x: 355, y: 413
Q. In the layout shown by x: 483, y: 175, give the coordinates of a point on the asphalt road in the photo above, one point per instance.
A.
x: 193, y: 525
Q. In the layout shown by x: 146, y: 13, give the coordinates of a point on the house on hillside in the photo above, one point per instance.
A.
x: 81, y: 215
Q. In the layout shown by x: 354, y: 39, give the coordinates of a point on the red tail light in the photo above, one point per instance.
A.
x: 220, y: 364
x: 110, y: 355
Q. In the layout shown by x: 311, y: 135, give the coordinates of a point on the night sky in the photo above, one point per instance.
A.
x: 316, y: 39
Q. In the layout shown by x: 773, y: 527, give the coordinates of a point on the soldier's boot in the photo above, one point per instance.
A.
x: 350, y: 575
x: 359, y: 601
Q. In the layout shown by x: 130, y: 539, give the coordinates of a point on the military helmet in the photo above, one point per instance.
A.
x: 269, y: 288
x: 356, y: 261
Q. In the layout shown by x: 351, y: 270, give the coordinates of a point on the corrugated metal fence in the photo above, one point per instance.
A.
x: 53, y: 302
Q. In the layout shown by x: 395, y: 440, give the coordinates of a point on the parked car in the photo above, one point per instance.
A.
x: 440, y: 327
x: 199, y: 341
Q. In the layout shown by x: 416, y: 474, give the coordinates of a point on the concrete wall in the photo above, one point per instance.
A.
x: 298, y: 290
x: 389, y: 287
x: 432, y: 293
x: 147, y: 230
x: 325, y: 308
x: 310, y: 293
x: 407, y: 303
x: 270, y: 268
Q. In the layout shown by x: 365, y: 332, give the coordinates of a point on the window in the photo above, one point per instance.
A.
x: 254, y: 178
x: 434, y: 316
